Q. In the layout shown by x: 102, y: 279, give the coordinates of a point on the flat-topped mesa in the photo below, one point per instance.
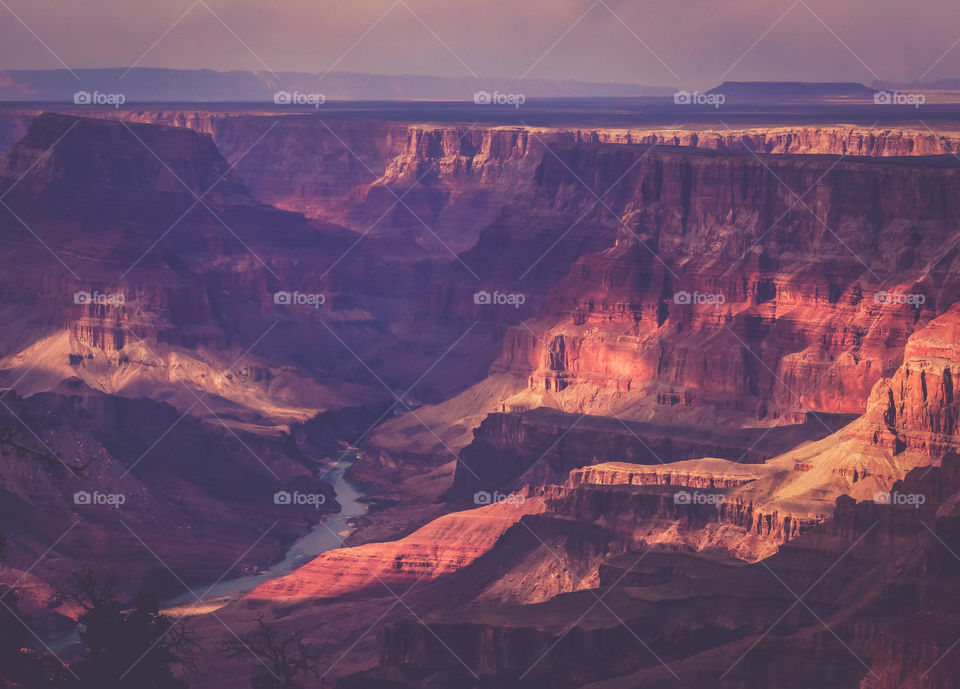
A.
x: 510, y: 450
x: 796, y: 140
x: 698, y: 473
x: 97, y: 155
x: 691, y: 515
x: 235, y: 132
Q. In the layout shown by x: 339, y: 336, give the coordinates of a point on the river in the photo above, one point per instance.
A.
x: 325, y: 536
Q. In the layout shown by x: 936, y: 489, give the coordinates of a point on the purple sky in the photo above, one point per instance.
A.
x: 698, y: 42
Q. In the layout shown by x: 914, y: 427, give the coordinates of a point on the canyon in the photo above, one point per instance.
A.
x: 717, y: 435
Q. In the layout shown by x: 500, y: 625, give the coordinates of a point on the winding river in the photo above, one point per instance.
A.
x: 327, y: 535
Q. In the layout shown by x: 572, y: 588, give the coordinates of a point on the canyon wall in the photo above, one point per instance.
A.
x: 721, y: 289
x: 864, y: 573
x: 915, y: 410
x: 455, y: 178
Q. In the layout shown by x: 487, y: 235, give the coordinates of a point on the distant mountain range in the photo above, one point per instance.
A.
x: 204, y: 85
x: 792, y: 91
x: 938, y: 85
x: 154, y: 85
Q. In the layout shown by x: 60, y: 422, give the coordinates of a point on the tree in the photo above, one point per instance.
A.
x: 10, y: 444
x: 19, y: 666
x: 127, y: 647
x: 282, y: 659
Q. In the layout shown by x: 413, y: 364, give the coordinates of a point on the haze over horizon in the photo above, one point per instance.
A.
x: 584, y: 40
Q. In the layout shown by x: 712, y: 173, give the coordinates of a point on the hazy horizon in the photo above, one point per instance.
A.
x: 608, y: 41
x: 413, y: 75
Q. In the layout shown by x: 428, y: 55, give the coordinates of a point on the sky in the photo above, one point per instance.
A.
x: 681, y: 43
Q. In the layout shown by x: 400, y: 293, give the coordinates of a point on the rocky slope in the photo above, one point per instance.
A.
x: 443, y: 546
x: 869, y: 564
x: 789, y: 512
x: 102, y: 475
x: 701, y: 621
x: 907, y: 424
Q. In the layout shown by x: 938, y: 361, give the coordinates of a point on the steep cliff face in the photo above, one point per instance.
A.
x: 719, y: 289
x: 131, y: 291
x: 800, y: 140
x: 748, y: 510
x: 916, y: 410
x: 909, y: 422
x: 691, y: 514
x: 701, y: 287
x: 432, y: 183
x: 699, y: 292
x: 456, y: 179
